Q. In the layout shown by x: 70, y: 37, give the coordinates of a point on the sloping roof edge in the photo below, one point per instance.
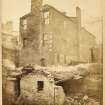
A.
x: 26, y: 15
x: 88, y: 32
x: 47, y: 6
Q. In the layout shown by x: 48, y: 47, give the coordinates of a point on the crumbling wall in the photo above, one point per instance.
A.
x: 90, y: 83
x: 49, y: 94
x: 30, y: 36
x: 72, y: 86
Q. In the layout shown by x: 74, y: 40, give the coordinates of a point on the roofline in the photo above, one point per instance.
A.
x: 60, y: 12
x: 26, y: 15
x: 89, y: 32
x: 30, y: 14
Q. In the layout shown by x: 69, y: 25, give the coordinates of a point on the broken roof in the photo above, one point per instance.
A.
x: 62, y: 73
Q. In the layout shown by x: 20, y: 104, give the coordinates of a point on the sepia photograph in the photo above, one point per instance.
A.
x: 52, y: 52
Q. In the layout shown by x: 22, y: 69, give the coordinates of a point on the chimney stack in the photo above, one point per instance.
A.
x: 64, y: 13
x: 36, y: 6
x: 78, y: 15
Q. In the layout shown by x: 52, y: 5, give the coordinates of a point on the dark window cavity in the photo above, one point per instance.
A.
x: 40, y: 85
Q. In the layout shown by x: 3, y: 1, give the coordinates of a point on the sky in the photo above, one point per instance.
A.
x: 90, y: 10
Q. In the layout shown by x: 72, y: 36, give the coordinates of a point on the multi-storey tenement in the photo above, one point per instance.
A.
x: 50, y: 34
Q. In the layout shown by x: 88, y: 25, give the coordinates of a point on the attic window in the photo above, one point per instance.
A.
x: 40, y: 85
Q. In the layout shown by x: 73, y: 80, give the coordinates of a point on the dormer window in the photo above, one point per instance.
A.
x: 46, y: 17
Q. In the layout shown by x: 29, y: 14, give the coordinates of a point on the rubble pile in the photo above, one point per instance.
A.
x: 63, y: 73
x: 66, y: 80
x: 80, y: 100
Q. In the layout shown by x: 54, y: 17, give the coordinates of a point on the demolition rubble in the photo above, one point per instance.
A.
x: 36, y: 85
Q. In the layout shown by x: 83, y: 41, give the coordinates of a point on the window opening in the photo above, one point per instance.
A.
x: 46, y: 17
x: 40, y: 85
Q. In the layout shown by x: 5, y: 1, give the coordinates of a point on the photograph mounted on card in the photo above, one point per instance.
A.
x: 52, y: 52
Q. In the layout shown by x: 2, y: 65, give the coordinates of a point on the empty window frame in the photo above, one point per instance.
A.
x: 55, y: 58
x: 25, y: 42
x: 25, y: 24
x: 61, y: 58
x: 68, y: 59
x: 47, y: 39
x: 40, y: 85
x: 92, y: 55
x: 46, y: 17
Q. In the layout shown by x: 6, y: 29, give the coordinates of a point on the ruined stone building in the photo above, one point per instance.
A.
x: 9, y: 49
x: 52, y: 35
x: 41, y: 91
x: 10, y: 42
x: 52, y: 85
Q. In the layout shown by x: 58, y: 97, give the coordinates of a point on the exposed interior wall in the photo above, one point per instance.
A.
x: 30, y: 35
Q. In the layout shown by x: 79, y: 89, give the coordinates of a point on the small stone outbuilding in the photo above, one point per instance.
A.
x: 38, y: 88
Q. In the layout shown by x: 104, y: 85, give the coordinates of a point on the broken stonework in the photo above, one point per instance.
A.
x: 33, y: 93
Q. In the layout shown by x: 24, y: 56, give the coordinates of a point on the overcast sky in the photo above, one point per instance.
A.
x: 91, y: 12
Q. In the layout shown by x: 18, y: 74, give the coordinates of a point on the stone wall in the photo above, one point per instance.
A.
x: 30, y: 34
x: 49, y: 94
x: 87, y: 42
x: 98, y: 54
x: 59, y: 41
x: 64, y: 38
